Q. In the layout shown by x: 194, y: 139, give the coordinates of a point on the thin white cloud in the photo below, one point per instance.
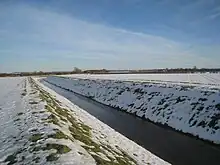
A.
x: 215, y: 13
x: 214, y: 16
x: 28, y: 30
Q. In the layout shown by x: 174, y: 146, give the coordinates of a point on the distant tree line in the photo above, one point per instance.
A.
x: 159, y: 71
x: 98, y: 71
x: 41, y: 73
x: 179, y: 70
x: 105, y: 71
x: 33, y: 74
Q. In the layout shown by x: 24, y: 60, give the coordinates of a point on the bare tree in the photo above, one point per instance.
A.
x: 77, y: 70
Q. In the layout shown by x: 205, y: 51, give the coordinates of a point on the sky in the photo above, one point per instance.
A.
x: 39, y: 35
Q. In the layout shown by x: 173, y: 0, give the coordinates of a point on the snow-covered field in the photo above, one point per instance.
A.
x: 189, y: 109
x: 38, y: 126
x: 207, y: 79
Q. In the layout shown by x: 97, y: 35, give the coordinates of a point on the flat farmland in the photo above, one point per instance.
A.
x: 38, y: 126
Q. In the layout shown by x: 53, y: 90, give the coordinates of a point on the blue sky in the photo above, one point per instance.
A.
x: 113, y: 34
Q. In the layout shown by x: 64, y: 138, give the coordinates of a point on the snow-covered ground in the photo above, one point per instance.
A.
x: 193, y: 110
x: 38, y: 126
x: 8, y: 85
x: 207, y: 79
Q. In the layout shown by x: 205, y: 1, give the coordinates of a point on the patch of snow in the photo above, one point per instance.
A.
x: 103, y: 134
x: 22, y: 118
x: 194, y: 110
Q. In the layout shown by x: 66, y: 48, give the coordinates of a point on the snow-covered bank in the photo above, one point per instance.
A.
x: 38, y: 126
x: 112, y: 144
x: 204, y: 79
x: 188, y: 109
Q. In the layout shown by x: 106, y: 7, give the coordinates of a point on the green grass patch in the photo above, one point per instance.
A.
x: 11, y: 159
x: 35, y: 137
x: 100, y: 161
x: 52, y: 157
x: 58, y: 135
x: 126, y: 158
x: 78, y: 130
x: 61, y: 149
x: 53, y: 119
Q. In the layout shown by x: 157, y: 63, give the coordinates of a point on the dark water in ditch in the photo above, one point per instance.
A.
x: 169, y: 145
